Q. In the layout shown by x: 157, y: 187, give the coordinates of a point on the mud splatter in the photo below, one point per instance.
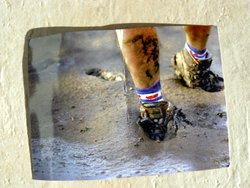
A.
x: 150, y: 49
x: 211, y: 82
x: 148, y: 74
x: 157, y: 128
x: 137, y: 38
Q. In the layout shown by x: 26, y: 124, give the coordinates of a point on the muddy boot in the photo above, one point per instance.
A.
x: 154, y: 119
x: 195, y: 73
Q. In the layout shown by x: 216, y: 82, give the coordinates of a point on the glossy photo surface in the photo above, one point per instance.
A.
x: 83, y: 111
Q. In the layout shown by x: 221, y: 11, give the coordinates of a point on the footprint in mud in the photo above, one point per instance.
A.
x: 106, y: 75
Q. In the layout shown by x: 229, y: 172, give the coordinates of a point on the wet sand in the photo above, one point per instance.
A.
x: 83, y: 127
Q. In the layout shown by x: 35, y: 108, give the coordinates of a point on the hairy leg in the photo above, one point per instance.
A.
x: 140, y: 50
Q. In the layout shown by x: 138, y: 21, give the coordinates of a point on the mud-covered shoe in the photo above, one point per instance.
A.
x: 196, y: 73
x: 154, y: 119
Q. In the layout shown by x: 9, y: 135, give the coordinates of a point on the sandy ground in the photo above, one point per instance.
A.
x: 83, y: 127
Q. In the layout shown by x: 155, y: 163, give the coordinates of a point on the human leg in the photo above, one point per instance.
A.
x: 192, y: 64
x: 197, y: 36
x: 140, y: 50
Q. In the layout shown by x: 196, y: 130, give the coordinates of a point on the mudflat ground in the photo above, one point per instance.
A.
x: 83, y: 127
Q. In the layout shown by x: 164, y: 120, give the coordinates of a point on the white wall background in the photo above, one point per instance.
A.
x: 18, y: 17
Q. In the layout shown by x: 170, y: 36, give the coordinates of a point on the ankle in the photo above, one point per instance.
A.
x: 198, y: 54
x: 151, y: 94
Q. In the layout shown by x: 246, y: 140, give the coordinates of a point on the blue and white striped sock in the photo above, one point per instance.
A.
x: 151, y: 94
x: 198, y: 54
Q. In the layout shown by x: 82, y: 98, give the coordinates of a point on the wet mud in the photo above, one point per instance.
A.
x: 83, y: 111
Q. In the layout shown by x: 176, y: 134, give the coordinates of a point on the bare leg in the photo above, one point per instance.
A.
x: 192, y: 64
x: 197, y: 36
x: 140, y: 49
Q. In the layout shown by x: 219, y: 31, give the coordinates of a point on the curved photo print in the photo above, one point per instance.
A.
x: 130, y: 102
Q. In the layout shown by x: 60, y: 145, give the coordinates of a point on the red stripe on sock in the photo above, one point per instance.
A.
x: 152, y: 96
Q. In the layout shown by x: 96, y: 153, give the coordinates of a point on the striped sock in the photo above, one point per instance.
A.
x: 198, y: 54
x: 151, y: 94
